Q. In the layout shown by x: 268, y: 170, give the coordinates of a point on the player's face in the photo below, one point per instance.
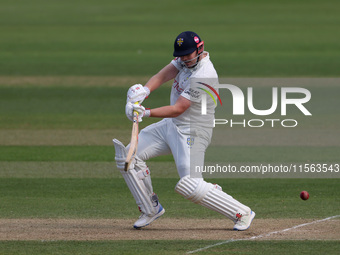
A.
x: 190, y: 59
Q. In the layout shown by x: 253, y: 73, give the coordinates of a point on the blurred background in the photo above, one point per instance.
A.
x: 135, y: 38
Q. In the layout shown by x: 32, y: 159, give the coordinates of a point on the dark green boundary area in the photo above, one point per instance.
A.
x: 168, y: 247
x: 228, y: 153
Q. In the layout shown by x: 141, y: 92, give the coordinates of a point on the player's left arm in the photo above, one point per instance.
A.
x: 138, y: 92
x: 168, y: 73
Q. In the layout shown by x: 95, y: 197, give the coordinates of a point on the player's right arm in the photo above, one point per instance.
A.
x: 168, y: 73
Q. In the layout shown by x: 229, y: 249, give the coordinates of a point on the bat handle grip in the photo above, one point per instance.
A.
x: 135, y: 112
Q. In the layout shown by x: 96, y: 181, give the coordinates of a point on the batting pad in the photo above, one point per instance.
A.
x: 135, y: 181
x: 120, y: 154
x: 201, y: 192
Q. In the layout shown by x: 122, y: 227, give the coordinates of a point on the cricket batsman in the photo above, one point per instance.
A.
x: 183, y: 132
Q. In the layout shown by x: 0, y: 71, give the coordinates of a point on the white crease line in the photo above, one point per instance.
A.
x: 263, y: 235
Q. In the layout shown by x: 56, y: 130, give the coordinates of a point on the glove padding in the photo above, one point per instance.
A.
x: 142, y: 112
x: 137, y: 93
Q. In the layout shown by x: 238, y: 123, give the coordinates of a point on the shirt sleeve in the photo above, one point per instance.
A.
x: 177, y: 63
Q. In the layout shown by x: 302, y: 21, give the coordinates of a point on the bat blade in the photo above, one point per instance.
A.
x: 133, y: 142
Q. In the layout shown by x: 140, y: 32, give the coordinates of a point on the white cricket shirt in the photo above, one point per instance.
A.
x: 186, y: 85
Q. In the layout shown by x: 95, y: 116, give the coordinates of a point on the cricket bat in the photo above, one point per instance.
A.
x: 134, y: 141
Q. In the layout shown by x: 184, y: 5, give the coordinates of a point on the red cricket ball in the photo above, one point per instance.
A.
x: 304, y: 195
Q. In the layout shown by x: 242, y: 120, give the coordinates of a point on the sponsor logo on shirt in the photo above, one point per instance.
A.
x: 177, y: 87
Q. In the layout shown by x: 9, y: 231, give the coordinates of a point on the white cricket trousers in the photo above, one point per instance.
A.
x: 186, y: 143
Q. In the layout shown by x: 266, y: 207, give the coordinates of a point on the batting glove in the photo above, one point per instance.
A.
x: 137, y: 93
x: 141, y: 110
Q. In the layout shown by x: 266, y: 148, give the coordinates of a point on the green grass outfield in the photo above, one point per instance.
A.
x: 79, y: 180
x: 110, y: 198
x: 103, y: 37
x: 65, y: 67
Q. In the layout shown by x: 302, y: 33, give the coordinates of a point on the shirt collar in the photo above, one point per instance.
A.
x: 201, y: 62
